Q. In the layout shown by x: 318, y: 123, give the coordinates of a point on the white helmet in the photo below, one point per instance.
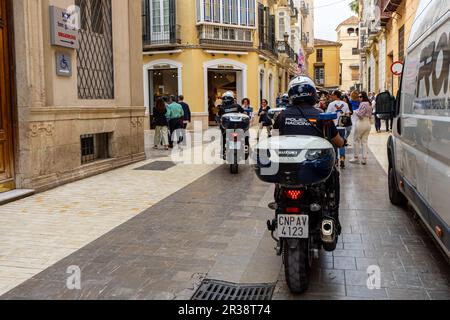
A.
x: 303, y: 89
x: 228, y: 98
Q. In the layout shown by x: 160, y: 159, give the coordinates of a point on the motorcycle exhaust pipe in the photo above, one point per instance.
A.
x: 328, y: 231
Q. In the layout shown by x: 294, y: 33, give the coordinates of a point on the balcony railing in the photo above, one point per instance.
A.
x: 285, y: 48
x: 270, y: 47
x: 385, y: 16
x: 225, y: 36
x: 169, y: 35
x: 390, y: 5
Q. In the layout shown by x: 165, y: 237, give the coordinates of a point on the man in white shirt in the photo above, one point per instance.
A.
x: 341, y: 108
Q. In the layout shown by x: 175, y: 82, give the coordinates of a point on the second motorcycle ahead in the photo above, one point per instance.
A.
x: 234, y: 124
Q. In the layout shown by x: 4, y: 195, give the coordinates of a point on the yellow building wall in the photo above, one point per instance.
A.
x: 405, y: 17
x: 331, y: 61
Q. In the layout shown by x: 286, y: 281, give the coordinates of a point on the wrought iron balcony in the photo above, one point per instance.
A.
x: 169, y: 35
x: 225, y: 36
x: 285, y: 48
x: 390, y: 5
x: 270, y: 47
x: 385, y: 16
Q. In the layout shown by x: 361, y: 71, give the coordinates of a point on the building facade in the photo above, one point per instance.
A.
x: 348, y: 36
x: 324, y: 64
x: 385, y: 26
x: 203, y: 48
x: 71, y: 99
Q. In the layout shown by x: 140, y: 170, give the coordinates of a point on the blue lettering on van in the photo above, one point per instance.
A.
x: 428, y: 73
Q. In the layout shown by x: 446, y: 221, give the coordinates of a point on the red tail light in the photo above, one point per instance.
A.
x: 292, y: 210
x: 294, y: 194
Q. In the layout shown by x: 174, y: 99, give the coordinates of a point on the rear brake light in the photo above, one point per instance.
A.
x: 294, y: 194
x: 292, y: 210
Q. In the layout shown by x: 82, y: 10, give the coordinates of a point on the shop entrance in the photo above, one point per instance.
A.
x: 219, y: 82
x: 162, y: 83
x: 6, y: 104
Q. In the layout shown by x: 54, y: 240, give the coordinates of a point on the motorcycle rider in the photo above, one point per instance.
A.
x: 284, y: 101
x: 300, y: 118
x: 228, y: 105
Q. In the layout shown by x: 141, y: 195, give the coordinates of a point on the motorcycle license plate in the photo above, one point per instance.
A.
x: 293, y: 226
x: 234, y: 145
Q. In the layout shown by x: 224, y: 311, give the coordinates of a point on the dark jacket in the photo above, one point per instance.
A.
x: 187, y: 111
x: 264, y: 118
x: 233, y: 108
x: 292, y: 121
x: 160, y: 119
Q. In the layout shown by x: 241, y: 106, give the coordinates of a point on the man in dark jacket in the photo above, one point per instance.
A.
x: 187, y: 111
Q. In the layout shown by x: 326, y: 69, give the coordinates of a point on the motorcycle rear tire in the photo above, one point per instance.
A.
x: 297, y: 266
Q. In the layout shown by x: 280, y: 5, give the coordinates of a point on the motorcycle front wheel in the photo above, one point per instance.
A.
x: 297, y: 265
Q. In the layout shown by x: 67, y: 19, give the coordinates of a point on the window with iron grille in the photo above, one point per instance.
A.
x: 94, y: 147
x: 95, y: 61
x: 319, y: 55
x: 319, y: 76
x: 355, y: 51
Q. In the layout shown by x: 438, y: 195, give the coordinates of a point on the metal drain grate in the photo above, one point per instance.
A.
x: 219, y: 290
x: 157, y: 166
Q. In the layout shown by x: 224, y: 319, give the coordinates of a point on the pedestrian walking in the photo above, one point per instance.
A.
x: 187, y: 116
x: 187, y: 111
x: 362, y: 130
x: 248, y: 109
x: 175, y: 116
x: 343, y: 121
x: 161, y: 123
x: 264, y: 120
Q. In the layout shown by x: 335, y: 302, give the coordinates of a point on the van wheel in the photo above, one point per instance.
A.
x: 397, y: 198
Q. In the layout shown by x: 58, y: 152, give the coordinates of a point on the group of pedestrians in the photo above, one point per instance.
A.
x: 170, y: 115
x: 354, y: 114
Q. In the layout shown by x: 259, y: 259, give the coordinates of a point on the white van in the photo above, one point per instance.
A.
x: 419, y: 149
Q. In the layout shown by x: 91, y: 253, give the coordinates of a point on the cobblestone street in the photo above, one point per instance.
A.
x: 138, y: 234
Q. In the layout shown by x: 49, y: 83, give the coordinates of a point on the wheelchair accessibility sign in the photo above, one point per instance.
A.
x: 63, y: 64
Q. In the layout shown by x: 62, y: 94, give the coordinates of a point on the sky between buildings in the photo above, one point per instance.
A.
x: 328, y: 14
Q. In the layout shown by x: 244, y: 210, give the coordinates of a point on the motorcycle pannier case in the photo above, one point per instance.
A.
x: 235, y: 121
x: 294, y: 160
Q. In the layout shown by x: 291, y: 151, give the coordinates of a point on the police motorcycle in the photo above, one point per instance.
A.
x: 234, y: 125
x: 303, y: 168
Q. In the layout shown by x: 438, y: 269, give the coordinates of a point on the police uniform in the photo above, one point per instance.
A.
x: 299, y: 121
x: 233, y: 108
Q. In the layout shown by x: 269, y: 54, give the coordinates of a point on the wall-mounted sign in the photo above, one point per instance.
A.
x: 63, y: 32
x: 63, y: 64
x: 162, y: 66
x: 397, y: 68
x: 225, y: 66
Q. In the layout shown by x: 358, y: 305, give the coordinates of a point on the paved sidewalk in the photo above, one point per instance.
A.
x: 39, y: 231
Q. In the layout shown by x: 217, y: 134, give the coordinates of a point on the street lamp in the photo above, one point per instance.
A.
x: 286, y: 37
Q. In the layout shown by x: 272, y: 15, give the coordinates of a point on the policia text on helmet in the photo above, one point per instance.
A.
x: 300, y: 118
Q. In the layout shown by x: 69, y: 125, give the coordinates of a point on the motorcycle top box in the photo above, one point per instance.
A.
x: 235, y: 121
x: 294, y: 160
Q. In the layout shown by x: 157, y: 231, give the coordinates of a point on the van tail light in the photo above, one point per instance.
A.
x: 292, y: 210
x: 294, y: 194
